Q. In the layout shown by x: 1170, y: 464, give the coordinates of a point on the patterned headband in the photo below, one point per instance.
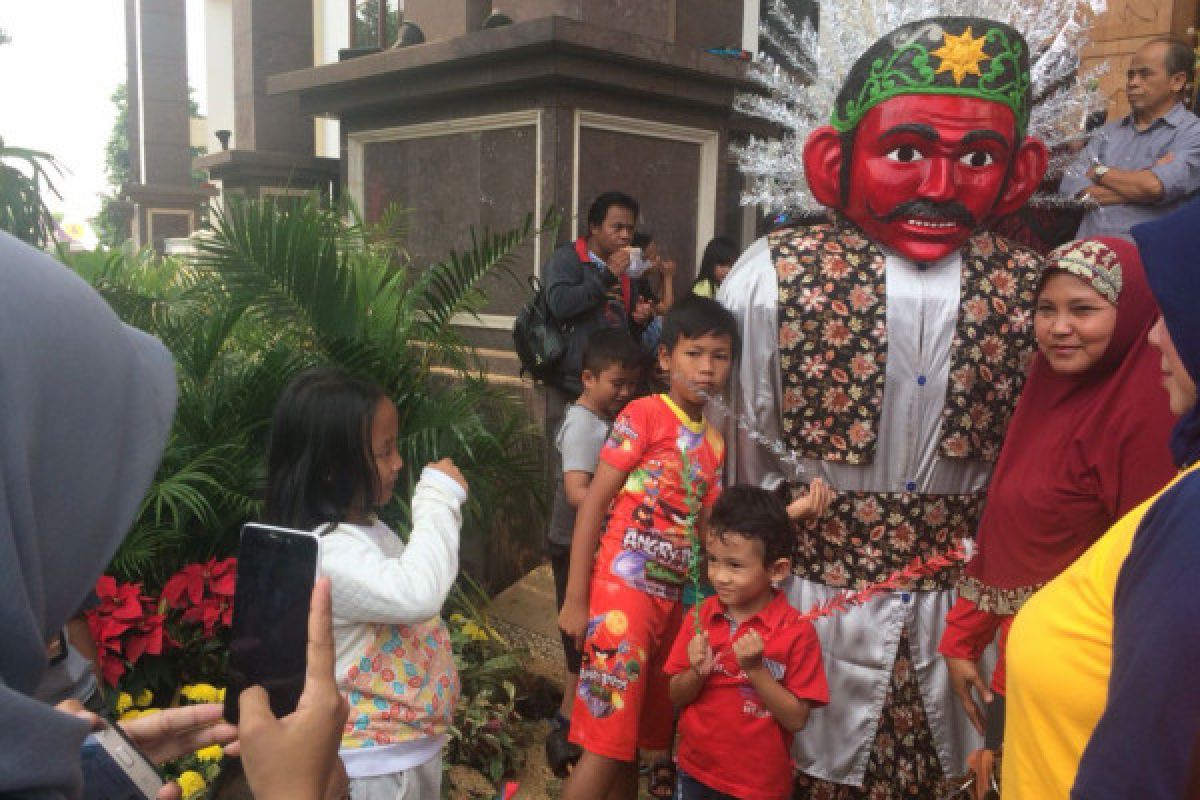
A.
x: 1094, y: 262
x: 965, y: 56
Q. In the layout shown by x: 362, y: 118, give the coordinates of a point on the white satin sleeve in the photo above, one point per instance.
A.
x: 751, y: 294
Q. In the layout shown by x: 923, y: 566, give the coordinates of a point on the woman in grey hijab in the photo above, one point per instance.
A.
x: 86, y: 404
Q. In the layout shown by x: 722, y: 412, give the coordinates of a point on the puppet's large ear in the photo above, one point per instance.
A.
x: 823, y: 166
x: 1029, y: 167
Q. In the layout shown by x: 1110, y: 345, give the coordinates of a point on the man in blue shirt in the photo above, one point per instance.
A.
x: 1148, y: 163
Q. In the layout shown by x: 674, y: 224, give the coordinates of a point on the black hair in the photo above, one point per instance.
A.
x: 757, y: 514
x: 600, y: 206
x: 721, y: 250
x: 1179, y: 56
x: 608, y: 346
x: 643, y: 239
x: 319, y: 460
x: 695, y: 316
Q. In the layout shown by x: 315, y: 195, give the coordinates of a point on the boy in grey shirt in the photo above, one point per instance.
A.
x: 611, y: 367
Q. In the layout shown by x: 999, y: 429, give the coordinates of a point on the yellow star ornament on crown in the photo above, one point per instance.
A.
x: 961, y: 55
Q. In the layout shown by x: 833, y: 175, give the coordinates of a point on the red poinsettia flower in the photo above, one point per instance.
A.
x: 125, y: 625
x: 204, y: 592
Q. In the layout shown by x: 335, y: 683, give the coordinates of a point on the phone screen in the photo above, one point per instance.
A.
x: 268, y: 644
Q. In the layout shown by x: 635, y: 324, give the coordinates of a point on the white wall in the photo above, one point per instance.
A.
x: 331, y: 31
x: 750, y: 25
x: 218, y: 45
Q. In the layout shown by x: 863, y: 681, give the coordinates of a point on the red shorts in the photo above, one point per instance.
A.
x: 623, y: 703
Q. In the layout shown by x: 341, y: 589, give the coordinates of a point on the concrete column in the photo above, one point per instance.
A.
x: 157, y: 86
x: 165, y: 203
x: 269, y: 37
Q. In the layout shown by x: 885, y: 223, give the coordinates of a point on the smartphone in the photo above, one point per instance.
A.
x: 114, y: 769
x: 268, y: 643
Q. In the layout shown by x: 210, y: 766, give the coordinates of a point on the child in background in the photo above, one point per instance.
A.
x: 747, y: 682
x: 332, y: 460
x: 719, y: 257
x: 649, y: 309
x: 610, y: 372
x: 659, y: 469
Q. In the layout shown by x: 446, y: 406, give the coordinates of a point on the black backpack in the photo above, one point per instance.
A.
x: 540, y: 339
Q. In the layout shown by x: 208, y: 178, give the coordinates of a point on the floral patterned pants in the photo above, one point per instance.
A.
x: 904, y: 762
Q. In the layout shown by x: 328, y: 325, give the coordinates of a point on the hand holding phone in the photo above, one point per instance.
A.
x: 156, y: 738
x: 277, y: 568
x: 114, y: 769
x: 295, y: 758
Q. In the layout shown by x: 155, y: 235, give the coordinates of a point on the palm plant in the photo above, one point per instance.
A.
x: 23, y: 211
x: 278, y: 288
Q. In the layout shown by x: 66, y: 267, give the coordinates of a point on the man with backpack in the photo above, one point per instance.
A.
x: 587, y: 285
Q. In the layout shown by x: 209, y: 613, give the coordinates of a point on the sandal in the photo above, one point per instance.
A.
x: 561, y: 754
x: 661, y: 783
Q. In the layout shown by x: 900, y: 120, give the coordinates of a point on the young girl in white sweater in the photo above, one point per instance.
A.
x: 332, y: 460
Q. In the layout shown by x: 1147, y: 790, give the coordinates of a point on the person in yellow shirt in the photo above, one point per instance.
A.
x: 1102, y: 699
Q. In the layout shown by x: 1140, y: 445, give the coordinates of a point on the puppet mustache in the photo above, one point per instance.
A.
x: 927, y: 209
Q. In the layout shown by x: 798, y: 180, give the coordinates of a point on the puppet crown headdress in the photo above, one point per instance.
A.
x: 1021, y: 53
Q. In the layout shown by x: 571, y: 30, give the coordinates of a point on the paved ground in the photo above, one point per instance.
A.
x: 525, y: 614
x: 527, y: 610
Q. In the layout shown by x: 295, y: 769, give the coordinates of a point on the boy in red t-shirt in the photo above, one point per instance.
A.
x: 659, y: 472
x: 747, y: 681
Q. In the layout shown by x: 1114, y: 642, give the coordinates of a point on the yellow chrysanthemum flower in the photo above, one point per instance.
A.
x: 202, y: 693
x: 124, y: 702
x: 145, y: 697
x: 210, y: 753
x: 474, y: 631
x: 192, y: 783
x: 457, y: 619
x: 135, y: 713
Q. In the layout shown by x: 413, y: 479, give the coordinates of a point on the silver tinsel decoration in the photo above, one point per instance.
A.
x: 801, y: 87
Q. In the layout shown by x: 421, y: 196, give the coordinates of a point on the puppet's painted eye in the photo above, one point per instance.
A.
x: 977, y: 158
x: 905, y: 154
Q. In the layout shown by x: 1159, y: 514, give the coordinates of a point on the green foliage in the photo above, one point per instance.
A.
x: 277, y: 288
x: 482, y: 736
x: 112, y: 224
x: 490, y: 670
x: 25, y: 181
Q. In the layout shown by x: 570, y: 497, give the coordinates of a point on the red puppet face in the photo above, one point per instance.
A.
x: 926, y: 171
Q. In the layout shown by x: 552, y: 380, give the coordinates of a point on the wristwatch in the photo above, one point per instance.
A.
x: 1099, y: 171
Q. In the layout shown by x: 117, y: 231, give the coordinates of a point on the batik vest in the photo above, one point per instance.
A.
x: 833, y: 359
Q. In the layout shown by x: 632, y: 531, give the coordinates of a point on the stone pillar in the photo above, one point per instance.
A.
x: 166, y: 205
x: 270, y: 37
x: 273, y: 140
x: 157, y: 75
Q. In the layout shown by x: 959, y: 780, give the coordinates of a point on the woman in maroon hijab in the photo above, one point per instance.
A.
x: 1087, y: 442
